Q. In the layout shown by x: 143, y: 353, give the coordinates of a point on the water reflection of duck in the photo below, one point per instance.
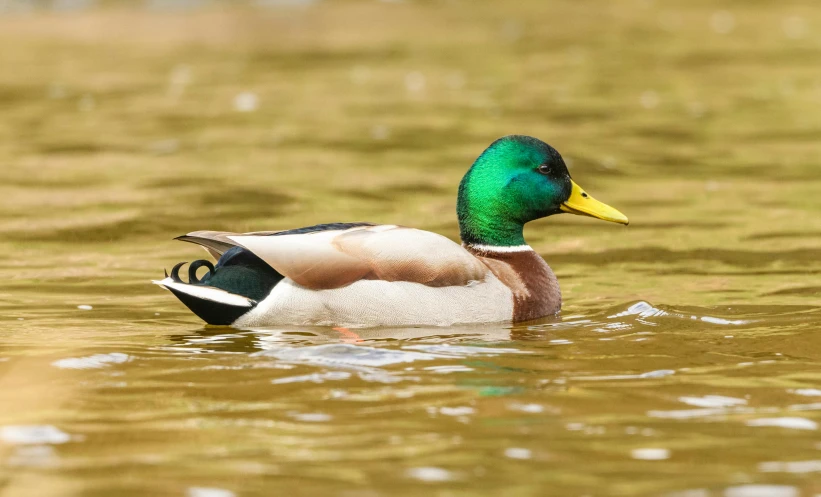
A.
x: 355, y: 274
x: 274, y: 338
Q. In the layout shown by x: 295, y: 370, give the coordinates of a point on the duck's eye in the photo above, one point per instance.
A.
x: 544, y: 169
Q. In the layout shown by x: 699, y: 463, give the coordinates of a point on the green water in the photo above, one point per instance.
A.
x: 686, y: 361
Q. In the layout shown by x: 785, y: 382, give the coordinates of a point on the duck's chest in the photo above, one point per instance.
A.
x: 534, y: 286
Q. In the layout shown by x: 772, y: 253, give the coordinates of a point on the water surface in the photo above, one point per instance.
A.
x: 685, y: 363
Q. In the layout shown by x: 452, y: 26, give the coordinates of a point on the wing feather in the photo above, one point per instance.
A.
x: 335, y: 258
x: 216, y: 242
x: 309, y: 259
x: 407, y: 254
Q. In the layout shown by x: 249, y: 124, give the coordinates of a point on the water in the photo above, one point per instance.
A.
x: 685, y: 364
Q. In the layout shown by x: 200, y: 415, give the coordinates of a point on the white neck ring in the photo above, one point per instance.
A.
x: 499, y: 249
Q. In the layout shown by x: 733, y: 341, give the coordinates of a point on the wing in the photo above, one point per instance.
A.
x: 337, y: 257
x: 217, y: 242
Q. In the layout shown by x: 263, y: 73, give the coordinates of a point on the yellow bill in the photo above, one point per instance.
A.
x: 584, y: 205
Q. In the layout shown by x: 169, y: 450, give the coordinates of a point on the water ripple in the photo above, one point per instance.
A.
x: 92, y: 362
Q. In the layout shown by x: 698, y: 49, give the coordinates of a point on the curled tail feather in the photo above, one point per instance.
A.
x: 228, y: 290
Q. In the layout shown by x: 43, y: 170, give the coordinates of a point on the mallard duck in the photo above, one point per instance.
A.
x: 363, y: 274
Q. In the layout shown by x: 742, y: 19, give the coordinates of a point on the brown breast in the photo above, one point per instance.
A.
x: 535, y: 288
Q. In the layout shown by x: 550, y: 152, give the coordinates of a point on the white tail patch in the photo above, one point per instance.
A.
x: 207, y: 293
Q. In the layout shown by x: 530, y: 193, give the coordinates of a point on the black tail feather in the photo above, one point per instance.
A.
x: 192, y: 271
x: 175, y: 272
x: 216, y: 313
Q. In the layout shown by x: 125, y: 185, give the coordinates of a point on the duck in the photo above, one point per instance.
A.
x: 362, y: 274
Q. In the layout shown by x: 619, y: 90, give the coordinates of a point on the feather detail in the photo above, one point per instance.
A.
x: 216, y: 243
x: 335, y: 258
x: 308, y: 259
x: 206, y: 293
x: 406, y: 254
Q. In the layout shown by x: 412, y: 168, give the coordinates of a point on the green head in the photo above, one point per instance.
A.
x: 518, y: 179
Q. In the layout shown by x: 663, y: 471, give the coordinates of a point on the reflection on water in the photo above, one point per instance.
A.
x: 686, y: 360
